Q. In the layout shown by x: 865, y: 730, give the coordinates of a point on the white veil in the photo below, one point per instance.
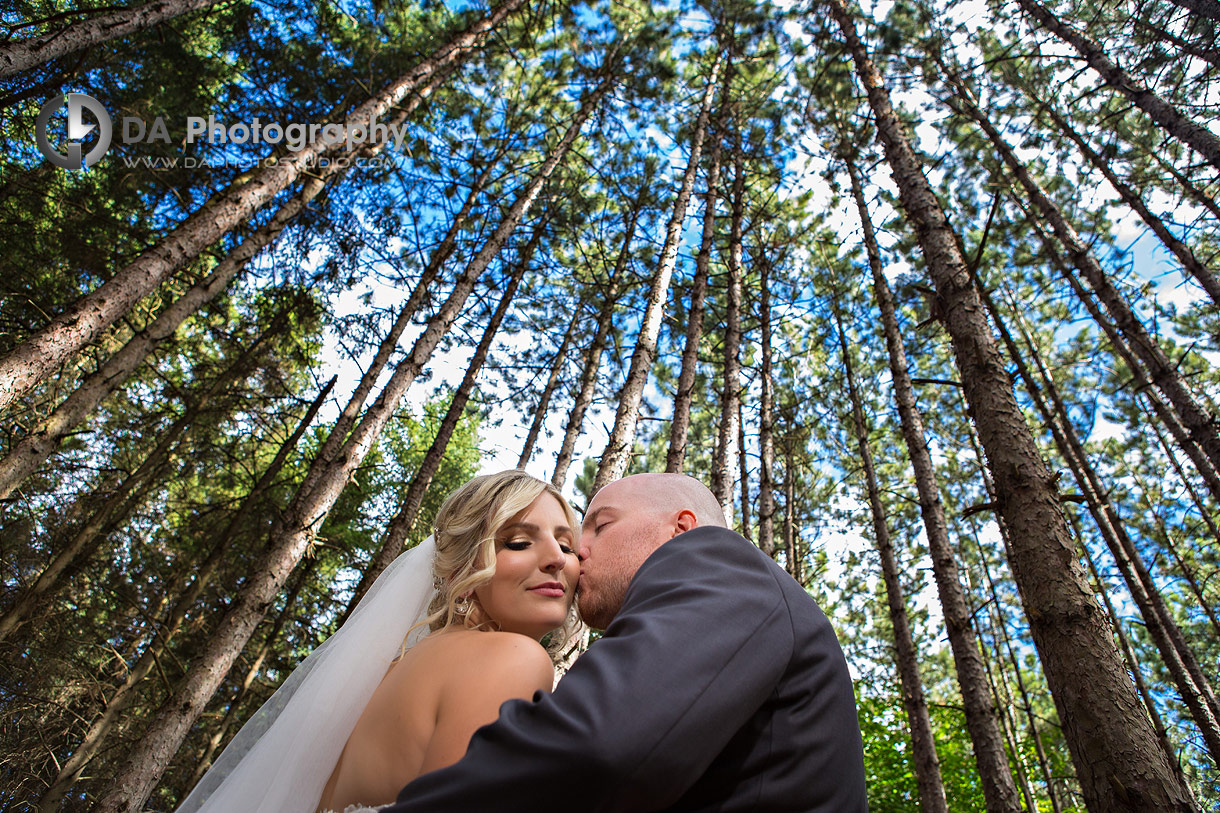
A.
x: 283, y: 756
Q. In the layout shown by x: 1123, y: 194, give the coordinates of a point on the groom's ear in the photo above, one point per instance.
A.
x: 685, y: 521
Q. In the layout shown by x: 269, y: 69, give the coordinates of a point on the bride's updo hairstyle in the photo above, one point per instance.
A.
x: 465, y: 535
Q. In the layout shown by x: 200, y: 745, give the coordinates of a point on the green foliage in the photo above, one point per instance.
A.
x: 888, y: 764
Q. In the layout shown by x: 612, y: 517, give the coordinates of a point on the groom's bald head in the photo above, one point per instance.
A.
x: 627, y: 520
x: 667, y: 495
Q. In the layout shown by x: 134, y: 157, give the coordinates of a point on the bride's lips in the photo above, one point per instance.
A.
x: 549, y: 589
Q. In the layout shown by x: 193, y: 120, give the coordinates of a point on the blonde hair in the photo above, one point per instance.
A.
x: 465, y: 535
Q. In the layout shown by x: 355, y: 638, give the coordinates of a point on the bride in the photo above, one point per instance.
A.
x: 447, y: 633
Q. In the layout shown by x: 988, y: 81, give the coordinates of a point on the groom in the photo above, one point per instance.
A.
x: 718, y: 684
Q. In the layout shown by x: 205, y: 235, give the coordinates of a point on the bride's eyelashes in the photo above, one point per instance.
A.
x: 525, y: 543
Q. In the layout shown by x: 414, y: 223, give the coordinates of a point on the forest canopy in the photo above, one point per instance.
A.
x: 923, y: 290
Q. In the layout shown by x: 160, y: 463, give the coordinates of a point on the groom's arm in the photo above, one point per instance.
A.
x: 701, y: 641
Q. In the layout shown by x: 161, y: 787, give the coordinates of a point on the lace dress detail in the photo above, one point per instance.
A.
x: 358, y: 809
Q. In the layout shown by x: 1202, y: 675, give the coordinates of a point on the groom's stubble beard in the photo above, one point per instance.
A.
x: 599, y: 608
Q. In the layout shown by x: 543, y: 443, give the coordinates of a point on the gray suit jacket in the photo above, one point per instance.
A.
x: 719, y: 686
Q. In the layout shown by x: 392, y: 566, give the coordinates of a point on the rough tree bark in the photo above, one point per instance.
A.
x: 766, y: 408
x: 730, y: 393
x: 923, y: 745
x: 999, y: 790
x: 790, y: 561
x: 21, y: 55
x: 1176, y: 123
x: 1133, y: 664
x: 124, y: 693
x: 679, y: 427
x: 617, y: 455
x: 1179, y: 659
x: 743, y: 472
x: 1120, y: 765
x: 1201, y: 425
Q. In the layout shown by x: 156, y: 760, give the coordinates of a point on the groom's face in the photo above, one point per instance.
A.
x: 619, y: 532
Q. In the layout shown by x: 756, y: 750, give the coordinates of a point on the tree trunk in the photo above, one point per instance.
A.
x: 129, y: 492
x: 1205, y: 512
x: 923, y: 745
x: 766, y: 406
x: 21, y: 55
x: 1201, y: 425
x: 1204, y: 8
x: 679, y: 428
x: 1180, y: 126
x: 617, y: 455
x: 124, y: 693
x: 1206, y: 516
x: 743, y: 473
x: 1002, y: 699
x: 423, y: 289
x: 1165, y: 538
x: 989, y: 487
x: 998, y: 623
x: 29, y: 453
x: 37, y: 357
x: 1193, y: 687
x: 793, y: 566
x: 1209, y: 474
x: 300, y: 578
x: 998, y: 788
x: 1188, y: 186
x: 1133, y: 664
x: 400, y: 526
x: 1190, y: 262
x: 726, y: 434
x: 593, y: 355
x: 1120, y: 766
x: 1183, y: 45
x: 296, y: 531
x: 548, y: 390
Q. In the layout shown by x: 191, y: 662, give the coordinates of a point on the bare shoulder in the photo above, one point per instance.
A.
x: 515, y: 663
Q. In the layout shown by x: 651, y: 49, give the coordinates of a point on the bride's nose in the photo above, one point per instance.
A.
x: 552, y: 557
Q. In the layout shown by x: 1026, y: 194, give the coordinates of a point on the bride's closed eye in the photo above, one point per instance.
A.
x: 522, y: 544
